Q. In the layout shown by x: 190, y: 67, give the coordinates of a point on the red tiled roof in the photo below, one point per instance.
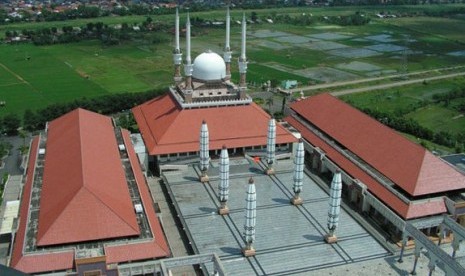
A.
x: 34, y: 263
x: 408, y: 165
x: 406, y: 211
x: 84, y: 193
x: 154, y: 248
x: 167, y: 128
x: 37, y: 262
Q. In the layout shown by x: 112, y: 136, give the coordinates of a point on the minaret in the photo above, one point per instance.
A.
x: 298, y: 173
x: 188, y: 67
x: 250, y: 220
x: 223, y: 188
x: 227, y: 49
x: 204, y: 155
x: 243, y: 61
x: 177, y: 55
x: 334, y: 207
x: 271, y: 146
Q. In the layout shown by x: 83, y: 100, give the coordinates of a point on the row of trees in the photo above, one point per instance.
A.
x: 82, y: 11
x: 446, y: 98
x: 308, y: 19
x: 105, y: 33
x: 108, y: 104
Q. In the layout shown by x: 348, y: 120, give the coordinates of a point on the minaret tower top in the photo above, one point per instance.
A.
x: 177, y: 55
x: 188, y: 67
x: 227, y: 48
x: 243, y: 59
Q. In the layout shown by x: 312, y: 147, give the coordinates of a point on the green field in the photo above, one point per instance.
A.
x: 439, y: 118
x: 33, y: 77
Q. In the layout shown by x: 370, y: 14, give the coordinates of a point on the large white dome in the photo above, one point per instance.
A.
x: 209, y: 66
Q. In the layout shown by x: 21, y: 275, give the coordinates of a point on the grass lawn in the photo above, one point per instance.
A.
x: 44, y: 79
x: 438, y: 26
x: 115, y: 69
x: 430, y: 145
x: 439, y: 118
x: 402, y: 98
x: 256, y: 72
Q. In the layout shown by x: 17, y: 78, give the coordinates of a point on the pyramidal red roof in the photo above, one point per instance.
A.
x: 408, y: 165
x: 84, y: 193
x: 167, y: 128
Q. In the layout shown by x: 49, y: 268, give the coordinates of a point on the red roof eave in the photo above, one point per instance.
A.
x: 157, y: 247
x: 35, y: 263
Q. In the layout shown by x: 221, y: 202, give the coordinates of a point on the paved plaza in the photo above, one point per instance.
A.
x: 289, y: 239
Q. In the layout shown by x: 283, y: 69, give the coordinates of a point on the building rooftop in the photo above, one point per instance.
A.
x: 392, y: 198
x: 410, y: 166
x: 168, y: 128
x: 83, y: 183
x: 289, y: 239
x: 148, y: 242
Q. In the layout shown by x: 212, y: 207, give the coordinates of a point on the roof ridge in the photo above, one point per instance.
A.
x: 167, y: 129
x: 84, y: 179
x: 108, y: 206
x: 61, y: 213
x: 419, y: 172
x: 81, y: 164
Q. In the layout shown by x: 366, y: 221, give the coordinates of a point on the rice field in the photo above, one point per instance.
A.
x: 35, y: 76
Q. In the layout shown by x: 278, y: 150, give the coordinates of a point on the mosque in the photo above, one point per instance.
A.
x: 384, y: 176
x: 170, y: 124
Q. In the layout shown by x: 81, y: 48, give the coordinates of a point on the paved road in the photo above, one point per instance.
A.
x: 400, y: 83
x: 13, y: 161
x: 344, y: 83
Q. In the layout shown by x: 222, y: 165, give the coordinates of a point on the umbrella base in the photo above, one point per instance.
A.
x: 330, y: 239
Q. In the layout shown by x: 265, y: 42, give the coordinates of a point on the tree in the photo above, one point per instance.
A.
x: 23, y: 134
x: 254, y: 16
x: 11, y: 123
x: 31, y: 121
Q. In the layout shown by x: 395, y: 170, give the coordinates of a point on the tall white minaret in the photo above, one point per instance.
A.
x: 227, y: 49
x: 223, y: 187
x: 188, y: 66
x: 298, y: 173
x: 177, y: 55
x: 334, y: 207
x: 250, y: 220
x: 243, y: 59
x: 204, y: 152
x: 271, y: 147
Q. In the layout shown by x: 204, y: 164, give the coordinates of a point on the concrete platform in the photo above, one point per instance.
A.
x: 289, y: 239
